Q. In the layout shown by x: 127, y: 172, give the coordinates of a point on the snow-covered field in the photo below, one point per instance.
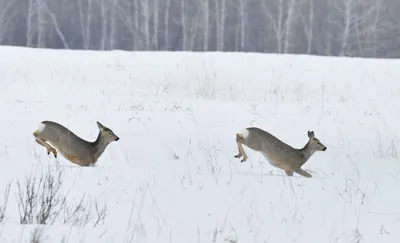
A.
x: 172, y: 176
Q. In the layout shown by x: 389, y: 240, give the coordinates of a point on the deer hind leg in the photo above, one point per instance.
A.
x: 302, y: 172
x: 42, y: 142
x: 239, y: 142
x: 289, y: 172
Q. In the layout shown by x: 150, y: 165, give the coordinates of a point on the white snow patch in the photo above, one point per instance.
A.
x: 169, y: 105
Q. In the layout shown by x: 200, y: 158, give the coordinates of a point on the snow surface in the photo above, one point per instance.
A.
x: 172, y: 176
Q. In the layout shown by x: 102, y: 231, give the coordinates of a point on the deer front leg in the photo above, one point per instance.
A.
x: 47, y: 146
x: 289, y: 172
x: 238, y: 139
x: 239, y: 155
x: 239, y: 142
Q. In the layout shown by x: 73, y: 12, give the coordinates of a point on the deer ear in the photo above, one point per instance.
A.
x: 310, y: 134
x: 100, y: 126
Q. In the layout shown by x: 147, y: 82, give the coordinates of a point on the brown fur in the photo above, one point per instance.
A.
x: 278, y: 153
x: 71, y: 147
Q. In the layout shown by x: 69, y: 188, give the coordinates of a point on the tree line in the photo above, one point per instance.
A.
x: 362, y: 28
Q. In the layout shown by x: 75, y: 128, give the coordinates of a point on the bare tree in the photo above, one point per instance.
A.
x: 220, y: 12
x: 85, y: 20
x: 166, y: 24
x: 189, y: 23
x: 145, y: 8
x: 6, y: 16
x: 206, y: 23
x: 29, y: 25
x: 128, y: 11
x: 289, y: 24
x: 307, y: 19
x: 3, y: 206
x: 389, y: 31
x: 329, y: 27
x: 374, y: 33
x: 40, y: 23
x: 194, y: 25
x: 274, y: 11
x: 241, y: 27
x: 104, y: 14
x: 112, y: 33
x: 55, y: 23
x: 156, y: 13
x: 183, y: 24
x: 350, y: 23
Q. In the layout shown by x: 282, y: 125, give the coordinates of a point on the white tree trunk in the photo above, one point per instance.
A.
x: 155, y: 22
x: 166, y: 25
x: 136, y: 38
x: 220, y: 10
x: 29, y: 25
x: 104, y: 22
x: 346, y: 29
x: 183, y: 25
x: 40, y: 24
x: 5, y: 16
x: 146, y: 23
x: 112, y: 37
x: 276, y: 22
x: 242, y: 10
x: 329, y: 35
x: 88, y: 24
x: 374, y: 38
x: 308, y: 24
x: 194, y: 31
x: 55, y: 24
x: 289, y: 24
x: 206, y: 28
x: 85, y: 18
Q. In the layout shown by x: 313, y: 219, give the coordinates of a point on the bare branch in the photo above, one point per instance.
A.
x: 55, y: 23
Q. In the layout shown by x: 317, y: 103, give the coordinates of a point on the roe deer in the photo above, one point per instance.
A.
x: 278, y: 153
x: 72, y: 147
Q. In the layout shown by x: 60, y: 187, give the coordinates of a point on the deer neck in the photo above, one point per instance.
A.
x: 306, y: 152
x: 98, y: 146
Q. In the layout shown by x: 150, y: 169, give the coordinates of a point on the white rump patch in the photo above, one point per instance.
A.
x: 245, y: 133
x: 41, y: 127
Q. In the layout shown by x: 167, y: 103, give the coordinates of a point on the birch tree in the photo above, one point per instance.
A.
x: 7, y: 13
x: 40, y: 24
x: 183, y: 24
x: 104, y: 12
x: 156, y: 13
x: 220, y: 14
x: 128, y: 11
x: 145, y: 9
x: 307, y: 20
x: 352, y: 26
x: 43, y: 5
x: 166, y: 24
x: 388, y: 31
x: 289, y: 24
x: 241, y: 27
x: 274, y: 12
x: 113, y: 25
x: 85, y: 20
x: 206, y: 23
